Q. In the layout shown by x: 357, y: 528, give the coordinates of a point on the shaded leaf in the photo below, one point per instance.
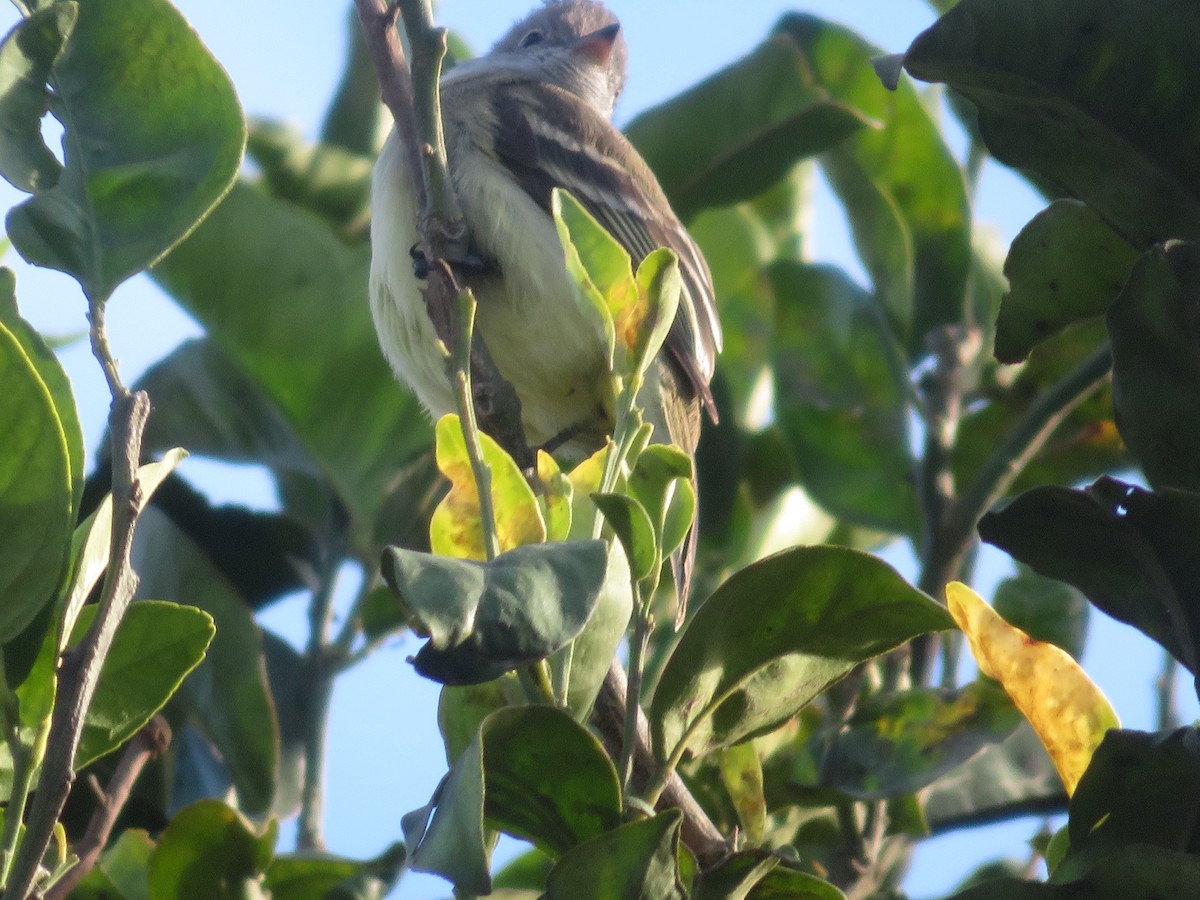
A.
x: 635, y: 862
x: 592, y: 651
x: 484, y: 619
x: 1045, y: 609
x: 1132, y: 773
x: 1097, y: 99
x: 1066, y: 264
x: 1132, y: 552
x: 903, y: 192
x: 1156, y: 364
x: 896, y: 744
x: 272, y: 285
x: 742, y: 775
x: 209, y: 852
x: 735, y: 134
x: 324, y: 877
x: 774, y: 636
x: 838, y: 399
x: 1010, y: 778
x: 227, y: 697
x: 26, y: 59
x: 783, y: 883
x: 153, y: 136
x: 1067, y: 710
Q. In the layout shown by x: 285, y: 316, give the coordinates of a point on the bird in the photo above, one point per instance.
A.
x: 531, y: 115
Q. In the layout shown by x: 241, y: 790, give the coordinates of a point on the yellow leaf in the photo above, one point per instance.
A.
x: 1064, y: 706
x: 455, y: 529
x: 585, y: 480
x: 554, y: 497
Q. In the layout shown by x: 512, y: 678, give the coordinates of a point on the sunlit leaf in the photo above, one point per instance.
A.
x: 209, y: 852
x: 774, y: 636
x: 1065, y: 707
x: 456, y: 529
x: 741, y: 773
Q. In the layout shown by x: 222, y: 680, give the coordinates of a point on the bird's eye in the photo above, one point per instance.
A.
x: 534, y: 37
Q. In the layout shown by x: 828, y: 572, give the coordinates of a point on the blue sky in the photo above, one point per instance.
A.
x: 284, y: 58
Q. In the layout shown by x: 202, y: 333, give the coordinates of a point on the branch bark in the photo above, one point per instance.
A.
x: 148, y: 744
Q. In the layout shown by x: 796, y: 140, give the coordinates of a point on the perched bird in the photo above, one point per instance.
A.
x: 534, y: 114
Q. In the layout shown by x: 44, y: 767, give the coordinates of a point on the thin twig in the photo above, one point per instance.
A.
x: 79, y: 669
x: 148, y: 744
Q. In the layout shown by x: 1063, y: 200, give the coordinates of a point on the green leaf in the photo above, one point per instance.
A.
x: 742, y: 775
x: 36, y: 515
x: 259, y: 275
x: 227, y: 696
x: 126, y: 863
x: 1132, y: 552
x: 26, y: 59
x: 903, y: 191
x: 1095, y: 98
x: 1133, y: 772
x: 1045, y: 609
x: 331, y: 181
x: 896, y: 744
x: 324, y: 877
x: 209, y: 852
x: 635, y: 862
x: 735, y: 876
x: 1120, y: 873
x: 157, y: 644
x: 774, y: 636
x: 838, y: 398
x: 1067, y: 264
x: 287, y: 676
x: 593, y: 650
x: 462, y: 709
x: 782, y: 883
x: 1156, y: 365
x: 661, y: 482
x: 1004, y: 779
x: 659, y: 291
x: 735, y: 134
x: 484, y: 619
x: 153, y: 139
x: 631, y: 523
x: 50, y: 370
x: 353, y: 118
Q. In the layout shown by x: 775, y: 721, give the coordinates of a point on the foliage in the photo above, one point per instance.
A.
x: 794, y: 715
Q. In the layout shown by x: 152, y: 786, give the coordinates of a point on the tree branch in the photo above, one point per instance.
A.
x: 148, y: 744
x: 79, y: 670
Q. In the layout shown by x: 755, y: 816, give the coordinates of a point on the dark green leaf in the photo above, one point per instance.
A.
x: 36, y: 515
x: 734, y: 877
x: 484, y: 619
x: 896, y: 744
x: 1007, y: 779
x: 1096, y: 98
x: 592, y: 651
x: 227, y: 697
x: 1066, y: 264
x: 26, y: 58
x: 1125, y: 872
x: 324, y: 877
x: 735, y: 134
x: 774, y: 636
x: 153, y: 138
x: 838, y: 398
x: 782, y: 883
x: 527, y: 872
x: 156, y: 645
x: 547, y: 778
x: 1135, y: 554
x: 1156, y: 365
x: 209, y: 852
x: 903, y: 192
x: 1014, y: 889
x: 1131, y: 774
x: 1045, y: 609
x: 289, y: 681
x: 283, y: 296
x: 634, y: 862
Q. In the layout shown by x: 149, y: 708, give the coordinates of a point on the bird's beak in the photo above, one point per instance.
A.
x: 597, y: 47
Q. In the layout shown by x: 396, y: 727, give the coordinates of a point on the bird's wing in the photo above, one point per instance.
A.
x: 547, y: 138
